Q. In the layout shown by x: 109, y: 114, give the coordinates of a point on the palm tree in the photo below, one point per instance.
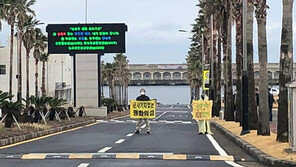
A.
x: 11, y: 109
x: 194, y: 70
x: 121, y: 73
x: 239, y: 60
x: 253, y: 117
x: 9, y: 13
x: 22, y: 15
x: 29, y: 39
x: 39, y: 103
x: 10, y: 9
x: 4, y: 96
x: 108, y: 71
x: 55, y: 104
x: 39, y: 46
x: 263, y: 120
x: 229, y: 115
x: 43, y: 59
x: 286, y: 69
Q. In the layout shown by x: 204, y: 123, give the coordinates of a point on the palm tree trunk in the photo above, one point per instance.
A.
x: 229, y: 116
x: 36, y: 77
x: 19, y: 90
x: 28, y: 75
x: 215, y: 107
x: 11, y: 59
x: 286, y: 69
x: 253, y: 116
x: 219, y: 73
x: 263, y: 119
x: 224, y: 44
x: 239, y: 64
x: 43, y: 79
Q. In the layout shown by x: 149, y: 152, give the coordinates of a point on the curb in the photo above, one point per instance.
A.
x: 252, y: 150
x: 16, y: 139
x: 151, y: 156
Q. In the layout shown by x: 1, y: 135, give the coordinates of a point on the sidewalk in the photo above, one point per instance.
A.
x: 278, y: 152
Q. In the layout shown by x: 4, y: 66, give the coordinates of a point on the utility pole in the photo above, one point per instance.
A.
x: 245, y: 127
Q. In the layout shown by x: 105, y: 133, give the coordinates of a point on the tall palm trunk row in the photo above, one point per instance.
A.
x: 223, y: 12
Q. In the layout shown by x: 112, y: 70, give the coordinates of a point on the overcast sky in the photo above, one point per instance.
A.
x: 153, y: 25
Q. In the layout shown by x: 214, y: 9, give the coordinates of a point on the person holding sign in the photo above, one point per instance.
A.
x: 143, y: 97
x: 202, y: 112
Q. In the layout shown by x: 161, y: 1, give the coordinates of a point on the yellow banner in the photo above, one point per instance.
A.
x: 142, y: 109
x: 202, y: 109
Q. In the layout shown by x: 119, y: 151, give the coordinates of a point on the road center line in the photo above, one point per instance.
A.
x: 221, y: 151
x: 83, y: 165
x: 104, y: 149
x: 119, y: 141
x: 129, y: 135
x: 160, y: 115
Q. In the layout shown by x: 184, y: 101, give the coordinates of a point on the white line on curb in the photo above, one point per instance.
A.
x: 221, y: 151
x: 119, y: 141
x: 104, y: 149
x: 129, y: 135
x: 83, y: 165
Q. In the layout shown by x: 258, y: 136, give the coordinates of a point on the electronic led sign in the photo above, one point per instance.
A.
x: 86, y: 38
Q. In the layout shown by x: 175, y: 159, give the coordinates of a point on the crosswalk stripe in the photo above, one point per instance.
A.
x: 104, y: 149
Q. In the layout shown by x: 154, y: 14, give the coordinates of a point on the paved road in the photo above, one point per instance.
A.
x: 174, y: 142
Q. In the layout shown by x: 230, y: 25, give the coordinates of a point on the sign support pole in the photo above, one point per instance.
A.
x: 99, y: 80
x: 74, y: 79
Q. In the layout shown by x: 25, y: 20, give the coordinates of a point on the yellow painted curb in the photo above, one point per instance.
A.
x: 80, y: 156
x: 221, y: 158
x: 127, y: 156
x: 34, y: 156
x: 174, y: 156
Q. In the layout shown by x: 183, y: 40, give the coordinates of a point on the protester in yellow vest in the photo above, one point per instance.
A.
x: 204, y: 125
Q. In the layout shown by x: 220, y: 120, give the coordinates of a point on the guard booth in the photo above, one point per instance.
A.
x: 292, y: 114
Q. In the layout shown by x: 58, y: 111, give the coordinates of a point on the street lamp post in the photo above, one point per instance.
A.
x: 245, y: 127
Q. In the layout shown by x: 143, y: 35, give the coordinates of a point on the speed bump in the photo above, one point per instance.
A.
x: 81, y: 156
x: 34, y: 156
x: 127, y: 156
x: 174, y: 156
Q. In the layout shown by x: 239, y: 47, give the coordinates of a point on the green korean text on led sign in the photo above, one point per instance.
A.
x: 85, y: 38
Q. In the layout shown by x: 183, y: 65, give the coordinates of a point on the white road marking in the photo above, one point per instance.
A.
x: 187, y: 122
x: 188, y: 106
x: 221, y: 151
x: 173, y: 115
x: 119, y: 141
x: 160, y: 116
x: 170, y: 122
x: 104, y: 149
x: 172, y: 106
x: 143, y: 126
x: 180, y: 115
x: 83, y: 165
x: 129, y: 135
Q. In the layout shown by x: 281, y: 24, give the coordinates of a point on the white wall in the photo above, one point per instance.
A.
x: 59, y: 69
